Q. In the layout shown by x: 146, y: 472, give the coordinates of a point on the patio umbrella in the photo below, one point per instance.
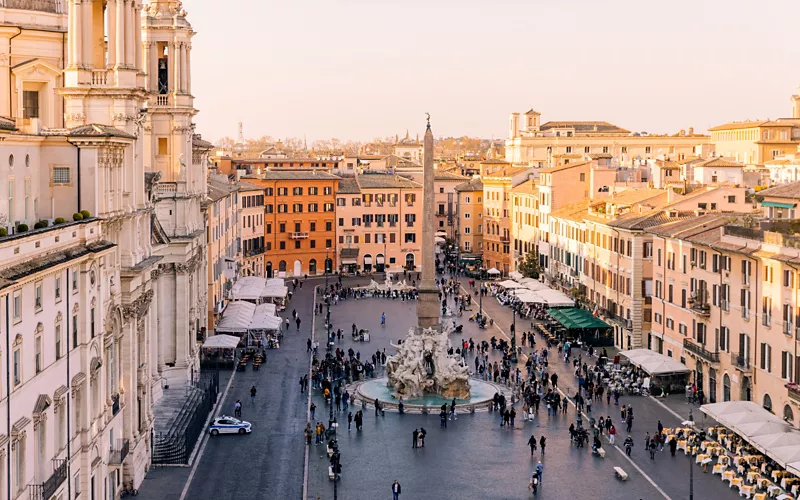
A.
x: 493, y: 271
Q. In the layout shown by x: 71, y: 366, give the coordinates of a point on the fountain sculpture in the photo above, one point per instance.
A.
x: 422, y: 365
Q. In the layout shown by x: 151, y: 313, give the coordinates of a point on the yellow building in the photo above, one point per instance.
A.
x: 497, y: 216
x: 549, y: 144
x: 524, y: 220
x: 222, y: 239
x: 469, y: 230
x: 756, y: 142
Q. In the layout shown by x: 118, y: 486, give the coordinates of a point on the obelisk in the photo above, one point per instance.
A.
x: 428, y: 301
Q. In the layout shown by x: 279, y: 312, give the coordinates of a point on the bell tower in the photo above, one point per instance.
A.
x: 103, y: 83
x: 796, y: 104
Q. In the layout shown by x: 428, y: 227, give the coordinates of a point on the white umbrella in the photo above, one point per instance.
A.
x: 510, y: 284
x: 514, y: 275
x: 493, y: 271
x: 441, y: 233
x: 439, y: 240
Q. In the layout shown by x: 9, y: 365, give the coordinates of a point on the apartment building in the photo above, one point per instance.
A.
x: 445, y: 198
x: 497, y: 187
x: 601, y: 252
x: 469, y: 230
x: 756, y: 142
x: 379, y: 223
x: 299, y: 211
x: 254, y: 166
x: 251, y: 219
x: 525, y: 221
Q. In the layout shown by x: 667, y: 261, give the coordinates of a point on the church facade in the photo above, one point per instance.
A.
x: 102, y: 240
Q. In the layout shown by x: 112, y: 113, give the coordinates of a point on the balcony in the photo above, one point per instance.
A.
x: 298, y: 236
x: 741, y: 362
x: 793, y: 391
x: 162, y: 100
x: 114, y: 404
x: 253, y: 252
x: 117, y: 453
x: 165, y: 189
x: 46, y: 490
x: 700, y: 308
x: 698, y: 350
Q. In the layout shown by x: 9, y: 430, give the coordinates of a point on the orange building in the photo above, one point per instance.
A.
x: 299, y: 221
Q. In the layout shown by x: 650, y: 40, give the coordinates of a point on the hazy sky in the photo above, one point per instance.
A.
x: 357, y: 69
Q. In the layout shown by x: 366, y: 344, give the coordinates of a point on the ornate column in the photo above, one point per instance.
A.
x: 188, y: 68
x: 111, y: 9
x: 130, y: 30
x: 183, y: 67
x: 171, y: 67
x: 120, y: 33
x: 87, y: 30
x: 153, y: 78
x: 137, y: 26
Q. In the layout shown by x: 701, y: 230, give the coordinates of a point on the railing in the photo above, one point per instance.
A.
x: 699, y: 350
x: 700, y: 308
x: 114, y: 404
x: 162, y: 100
x: 100, y: 77
x: 741, y: 362
x: 47, y: 489
x: 165, y: 188
x: 793, y: 392
x: 298, y: 236
x: 117, y: 454
x: 253, y: 252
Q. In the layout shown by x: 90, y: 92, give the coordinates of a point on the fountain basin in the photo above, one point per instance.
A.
x: 480, y: 398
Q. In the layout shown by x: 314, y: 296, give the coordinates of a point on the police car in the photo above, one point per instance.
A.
x: 229, y: 425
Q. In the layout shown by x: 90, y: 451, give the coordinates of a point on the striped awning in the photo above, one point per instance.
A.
x: 777, y: 204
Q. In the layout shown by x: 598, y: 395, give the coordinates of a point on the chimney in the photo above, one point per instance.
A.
x: 691, y: 130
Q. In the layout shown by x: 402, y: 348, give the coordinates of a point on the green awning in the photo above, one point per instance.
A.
x: 777, y: 204
x: 577, y: 319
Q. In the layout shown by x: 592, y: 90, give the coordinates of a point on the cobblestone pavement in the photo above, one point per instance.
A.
x: 476, y: 458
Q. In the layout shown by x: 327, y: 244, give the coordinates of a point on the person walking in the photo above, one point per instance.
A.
x: 313, y: 409
x: 540, y: 471
x: 652, y: 447
x: 532, y: 444
x: 253, y: 394
x: 237, y: 409
x: 395, y: 490
x: 422, y: 434
x: 383, y: 319
x: 349, y: 420
x: 628, y: 445
x: 302, y: 386
x: 542, y: 444
x: 673, y: 445
x: 443, y: 418
x: 630, y: 422
x: 297, y: 322
x: 612, y: 434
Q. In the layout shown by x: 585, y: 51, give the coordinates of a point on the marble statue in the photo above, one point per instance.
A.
x: 422, y: 365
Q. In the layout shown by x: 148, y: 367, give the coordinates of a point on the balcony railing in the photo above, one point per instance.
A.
x: 114, y: 404
x: 700, y: 308
x: 117, y: 454
x: 793, y: 391
x: 99, y: 77
x: 298, y: 236
x: 163, y: 189
x: 699, y: 350
x: 741, y: 362
x: 46, y: 490
x: 162, y: 100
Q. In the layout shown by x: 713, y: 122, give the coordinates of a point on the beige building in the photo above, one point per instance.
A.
x: 408, y: 148
x: 251, y: 222
x: 379, y: 223
x: 756, y: 142
x: 550, y: 144
x: 469, y: 230
x: 222, y: 241
x: 524, y: 221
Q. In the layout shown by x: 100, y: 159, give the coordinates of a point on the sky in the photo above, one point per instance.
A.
x: 360, y: 69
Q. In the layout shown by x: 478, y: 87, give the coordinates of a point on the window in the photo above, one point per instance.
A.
x: 282, y: 227
x: 411, y: 238
x: 329, y: 226
x: 466, y: 230
x: 38, y: 353
x: 17, y: 306
x: 58, y: 288
x: 313, y: 191
x: 312, y: 243
x: 569, y: 149
x: 30, y: 104
x: 17, y: 356
x: 327, y: 190
x: 297, y: 244
x: 583, y: 176
x: 61, y: 175
x: 75, y: 331
x: 313, y: 226
x: 648, y: 250
x: 37, y: 291
x: 731, y: 199
x: 328, y: 207
x: 786, y: 365
x: 766, y: 311
x: 766, y: 357
x: 74, y: 281
x: 788, y: 278
x: 313, y: 207
x: 340, y: 202
x: 57, y: 333
x: 282, y: 191
x: 328, y: 243
x: 297, y: 227
x: 297, y: 208
x: 282, y: 245
x: 647, y: 149
x: 587, y: 149
x: 298, y: 191
x: 91, y: 322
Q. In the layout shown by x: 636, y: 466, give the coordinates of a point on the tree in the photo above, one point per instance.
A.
x: 530, y: 266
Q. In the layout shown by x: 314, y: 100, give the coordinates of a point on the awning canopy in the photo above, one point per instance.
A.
x: 577, y: 319
x: 777, y: 204
x: 510, y: 284
x: 493, y: 271
x: 236, y: 317
x: 654, y: 363
x: 264, y: 318
x: 221, y: 342
x: 254, y: 288
x: 514, y: 275
x: 552, y: 298
x: 765, y: 431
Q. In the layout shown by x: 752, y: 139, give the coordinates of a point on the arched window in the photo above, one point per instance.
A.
x: 788, y: 414
x: 282, y: 266
x: 312, y: 266
x: 726, y: 388
x: 767, y: 402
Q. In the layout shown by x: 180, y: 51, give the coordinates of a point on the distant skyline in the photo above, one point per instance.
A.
x: 360, y: 69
